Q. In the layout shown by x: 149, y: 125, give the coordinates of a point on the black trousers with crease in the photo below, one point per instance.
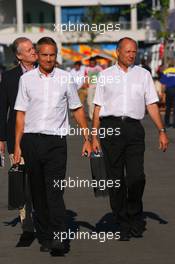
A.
x: 45, y: 158
x: 124, y: 161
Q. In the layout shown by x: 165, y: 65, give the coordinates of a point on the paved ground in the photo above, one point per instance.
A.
x: 86, y: 212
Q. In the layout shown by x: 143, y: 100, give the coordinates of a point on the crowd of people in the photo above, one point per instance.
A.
x: 34, y: 104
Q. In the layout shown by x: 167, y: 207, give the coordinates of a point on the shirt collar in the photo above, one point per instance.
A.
x: 24, y: 69
x: 129, y: 68
x: 42, y: 75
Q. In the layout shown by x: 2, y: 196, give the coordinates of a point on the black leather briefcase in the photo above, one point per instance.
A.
x: 98, y: 172
x: 16, y: 187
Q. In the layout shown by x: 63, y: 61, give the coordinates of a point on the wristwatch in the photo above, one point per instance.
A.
x: 162, y: 130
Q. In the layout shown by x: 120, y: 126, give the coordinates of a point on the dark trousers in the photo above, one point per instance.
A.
x: 170, y: 99
x: 27, y: 223
x: 45, y: 158
x: 124, y: 160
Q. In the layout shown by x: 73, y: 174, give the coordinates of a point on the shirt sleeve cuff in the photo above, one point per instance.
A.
x: 97, y: 103
x: 152, y: 101
x: 20, y: 108
x: 72, y: 107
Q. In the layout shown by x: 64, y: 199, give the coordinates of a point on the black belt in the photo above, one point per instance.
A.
x: 119, y: 118
x: 43, y: 135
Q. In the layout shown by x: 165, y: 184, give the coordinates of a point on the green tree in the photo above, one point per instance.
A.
x: 94, y: 16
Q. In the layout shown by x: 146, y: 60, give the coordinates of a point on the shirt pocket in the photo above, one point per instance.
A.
x: 137, y: 91
x: 58, y: 100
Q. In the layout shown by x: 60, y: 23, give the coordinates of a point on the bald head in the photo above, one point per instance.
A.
x: 126, y: 52
x: 125, y: 40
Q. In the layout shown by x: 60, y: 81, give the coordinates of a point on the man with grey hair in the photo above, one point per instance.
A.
x: 26, y: 56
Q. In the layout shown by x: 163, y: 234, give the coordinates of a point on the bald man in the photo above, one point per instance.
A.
x: 120, y: 104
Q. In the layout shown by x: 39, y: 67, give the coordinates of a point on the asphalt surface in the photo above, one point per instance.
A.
x: 87, y: 213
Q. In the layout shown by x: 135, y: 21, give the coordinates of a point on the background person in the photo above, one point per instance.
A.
x: 26, y: 56
x: 167, y: 80
x: 91, y: 73
x: 78, y: 73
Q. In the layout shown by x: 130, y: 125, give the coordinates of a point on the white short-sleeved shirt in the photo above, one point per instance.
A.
x: 46, y: 99
x: 78, y: 76
x: 122, y: 93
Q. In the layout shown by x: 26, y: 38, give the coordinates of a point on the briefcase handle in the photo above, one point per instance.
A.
x: 97, y: 155
x: 16, y: 167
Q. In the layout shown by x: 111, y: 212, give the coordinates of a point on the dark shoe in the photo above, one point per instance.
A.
x: 57, y: 248
x: 45, y: 246
x: 26, y: 239
x: 124, y: 229
x: 125, y: 233
x: 136, y: 232
x: 125, y: 236
x: 137, y: 228
x: 44, y: 249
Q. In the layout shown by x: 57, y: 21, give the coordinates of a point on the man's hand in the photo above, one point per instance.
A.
x: 87, y: 148
x: 17, y: 155
x: 2, y: 147
x: 96, y: 145
x: 154, y: 113
x: 163, y: 141
x: 20, y: 116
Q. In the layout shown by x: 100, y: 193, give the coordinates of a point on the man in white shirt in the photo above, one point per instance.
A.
x: 78, y: 74
x: 122, y: 93
x: 91, y: 74
x: 41, y: 129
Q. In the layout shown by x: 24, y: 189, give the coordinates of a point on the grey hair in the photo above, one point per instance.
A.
x: 16, y: 44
